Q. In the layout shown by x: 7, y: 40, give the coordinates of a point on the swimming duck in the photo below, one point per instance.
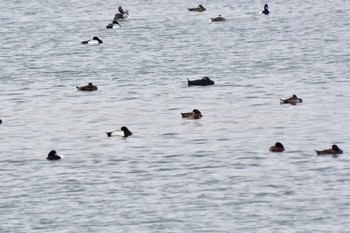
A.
x: 53, y: 155
x: 121, y: 14
x: 89, y: 87
x: 113, y: 25
x: 200, y: 8
x: 0, y: 121
x: 333, y: 151
x: 278, y: 147
x: 266, y: 10
x: 292, y: 100
x: 95, y: 41
x: 195, y: 114
x: 123, y: 132
x: 205, y: 81
x: 219, y: 18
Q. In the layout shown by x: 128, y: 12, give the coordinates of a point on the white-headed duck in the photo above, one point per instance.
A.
x: 335, y: 150
x: 200, y: 8
x: 278, y: 147
x: 217, y: 19
x: 266, y: 10
x: 123, y: 132
x: 95, y: 41
x: 292, y: 100
x: 195, y: 114
x: 53, y: 155
x: 89, y: 87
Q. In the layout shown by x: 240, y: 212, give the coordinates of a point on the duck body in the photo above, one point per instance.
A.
x: 292, y: 100
x: 95, y: 41
x: 335, y: 150
x: 205, y: 81
x: 266, y: 10
x: 122, y: 14
x: 218, y: 19
x: 200, y: 8
x: 195, y: 114
x: 113, y: 25
x: 53, y: 156
x: 89, y: 87
x: 278, y: 147
x: 123, y: 132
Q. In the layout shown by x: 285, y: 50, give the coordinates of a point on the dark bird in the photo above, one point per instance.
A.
x: 195, y: 114
x: 335, y: 150
x: 278, y: 147
x: 53, y: 156
x: 292, y: 100
x: 205, y: 81
x: 89, y: 87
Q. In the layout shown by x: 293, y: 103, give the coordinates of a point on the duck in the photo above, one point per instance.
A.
x: 95, y: 41
x: 217, y: 19
x: 195, y: 114
x: 89, y: 87
x: 0, y: 121
x: 123, y: 132
x: 205, y: 81
x: 278, y: 147
x: 113, y: 25
x: 292, y: 100
x: 53, y: 155
x: 335, y: 150
x: 121, y: 14
x: 266, y: 10
x: 200, y: 8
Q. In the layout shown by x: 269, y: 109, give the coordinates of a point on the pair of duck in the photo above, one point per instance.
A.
x: 335, y: 150
x: 122, y: 14
x: 200, y: 8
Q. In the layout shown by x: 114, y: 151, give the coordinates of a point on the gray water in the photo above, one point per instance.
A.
x: 174, y: 175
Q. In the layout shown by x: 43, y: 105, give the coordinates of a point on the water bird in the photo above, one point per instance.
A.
x: 335, y: 150
x: 205, y: 81
x: 95, y: 41
x: 123, y: 132
x: 89, y: 87
x: 53, y: 155
x: 195, y: 114
x: 113, y: 25
x: 0, y: 121
x: 292, y: 100
x: 278, y: 147
x: 122, y: 14
x: 217, y: 19
x: 266, y: 10
x: 200, y: 8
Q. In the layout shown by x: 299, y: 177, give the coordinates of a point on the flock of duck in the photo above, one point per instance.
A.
x: 205, y: 81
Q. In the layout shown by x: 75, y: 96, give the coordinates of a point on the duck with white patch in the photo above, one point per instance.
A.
x: 266, y: 10
x: 123, y: 132
x: 95, y: 41
x: 113, y: 25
